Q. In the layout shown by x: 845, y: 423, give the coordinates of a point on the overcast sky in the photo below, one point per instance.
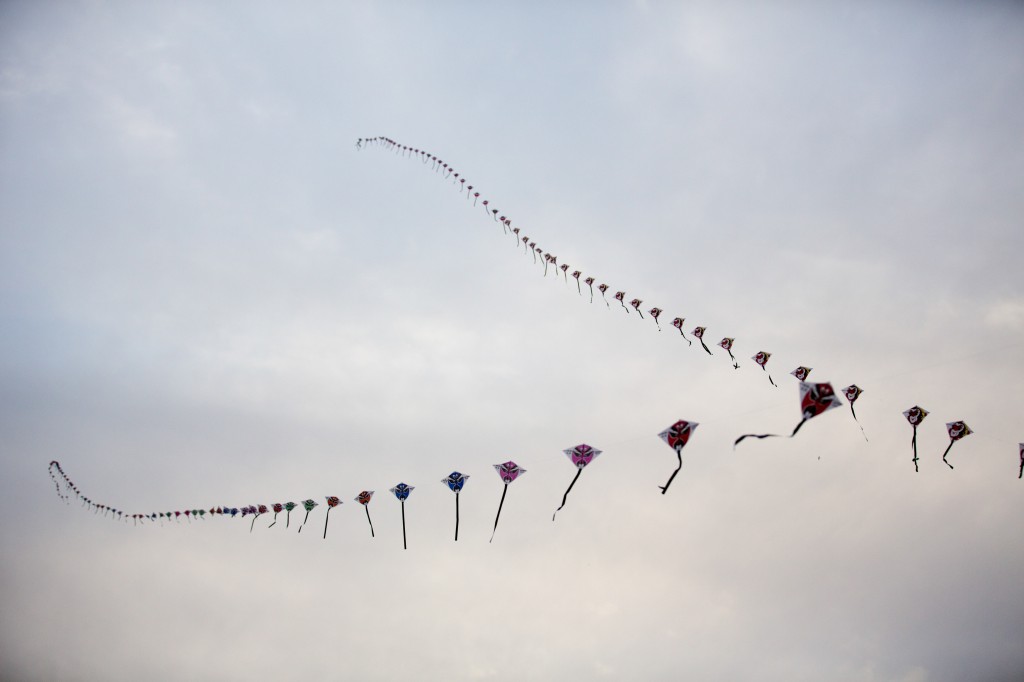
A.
x: 209, y: 296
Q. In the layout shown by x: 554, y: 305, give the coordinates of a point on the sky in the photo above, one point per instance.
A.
x: 209, y: 295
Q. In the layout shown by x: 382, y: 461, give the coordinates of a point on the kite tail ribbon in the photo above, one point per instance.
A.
x: 499, y: 512
x: 275, y: 521
x: 578, y: 472
x: 1021, y: 474
x: 253, y: 522
x: 404, y: 545
x: 913, y: 443
x: 947, y: 452
x: 367, y: 508
x: 664, y: 488
x: 684, y: 336
x: 735, y: 365
x: 304, y: 521
x: 705, y: 346
x: 769, y: 435
x: 854, y: 413
x: 326, y: 519
x: 456, y: 517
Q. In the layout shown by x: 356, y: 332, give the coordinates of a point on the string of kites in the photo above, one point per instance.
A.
x: 815, y: 398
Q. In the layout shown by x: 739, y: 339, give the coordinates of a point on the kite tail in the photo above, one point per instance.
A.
x: 802, y: 422
x: 768, y: 435
x: 854, y: 413
x: 253, y: 522
x: 404, y: 545
x: 288, y: 519
x: 499, y: 512
x: 591, y: 294
x: 735, y: 365
x: 641, y: 313
x: 304, y: 521
x: 456, y: 517
x: 664, y: 488
x: 579, y: 288
x: 326, y: 519
x: 684, y: 336
x: 705, y: 346
x: 947, y: 452
x: 624, y: 306
x: 1021, y: 474
x: 578, y: 472
x: 913, y: 443
x: 367, y: 508
x: 606, y: 300
x: 772, y: 381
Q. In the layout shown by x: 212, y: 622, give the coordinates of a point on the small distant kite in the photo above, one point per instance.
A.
x: 655, y: 313
x: 852, y: 392
x: 815, y: 399
x: 332, y: 502
x: 761, y: 358
x: 678, y: 324
x: 677, y: 436
x: 956, y: 431
x: 801, y: 373
x: 309, y: 505
x: 364, y: 498
x: 726, y: 344
x: 698, y: 333
x: 915, y: 415
x: 580, y: 456
x: 401, y: 491
x: 509, y: 471
x: 455, y: 481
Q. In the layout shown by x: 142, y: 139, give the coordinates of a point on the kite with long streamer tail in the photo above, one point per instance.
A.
x: 332, y: 502
x: 277, y: 507
x: 309, y: 506
x: 288, y: 506
x: 678, y: 324
x: 761, y: 358
x: 509, y: 471
x: 915, y: 415
x: 401, y: 491
x: 852, y: 392
x: 956, y: 431
x: 363, y: 498
x: 580, y: 456
x: 677, y: 436
x: 726, y: 344
x: 455, y: 482
x: 698, y: 333
x: 815, y: 399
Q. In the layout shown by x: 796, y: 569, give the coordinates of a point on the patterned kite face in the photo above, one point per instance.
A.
x: 915, y: 415
x: 801, y: 372
x: 278, y: 507
x: 589, y: 280
x: 309, y: 505
x: 602, y: 288
x: 509, y: 471
x: 288, y: 506
x: 678, y: 323
x: 333, y: 501
x: 817, y: 398
x: 655, y: 312
x: 678, y: 435
x: 262, y: 509
x: 401, y: 491
x: 581, y: 455
x: 620, y: 296
x: 576, y: 274
x: 699, y: 332
x: 761, y: 358
x: 852, y: 392
x: 958, y: 430
x: 636, y: 303
x: 364, y: 497
x: 726, y: 343
x: 455, y: 481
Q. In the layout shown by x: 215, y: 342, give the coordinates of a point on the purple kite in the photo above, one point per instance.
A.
x: 509, y: 471
x: 956, y: 431
x: 915, y: 415
x: 580, y: 456
x: 677, y: 436
x: 815, y: 399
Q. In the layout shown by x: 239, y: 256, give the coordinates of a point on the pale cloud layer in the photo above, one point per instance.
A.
x: 210, y: 297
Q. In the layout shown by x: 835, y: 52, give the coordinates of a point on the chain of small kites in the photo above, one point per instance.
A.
x: 815, y: 398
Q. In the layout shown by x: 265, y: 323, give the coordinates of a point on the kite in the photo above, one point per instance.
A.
x: 915, y: 415
x: 655, y: 312
x: 604, y: 288
x: 761, y: 358
x: 620, y: 296
x: 636, y: 302
x: 580, y: 456
x: 332, y: 502
x: 262, y: 510
x: 590, y: 283
x: 815, y: 399
x: 853, y: 392
x: 726, y: 343
x: 277, y: 507
x: 576, y: 276
x: 363, y: 498
x: 455, y: 481
x: 678, y: 324
x: 401, y: 491
x: 288, y: 506
x: 698, y: 333
x: 509, y: 471
x: 309, y: 506
x: 956, y: 431
x: 801, y: 373
x: 676, y: 436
